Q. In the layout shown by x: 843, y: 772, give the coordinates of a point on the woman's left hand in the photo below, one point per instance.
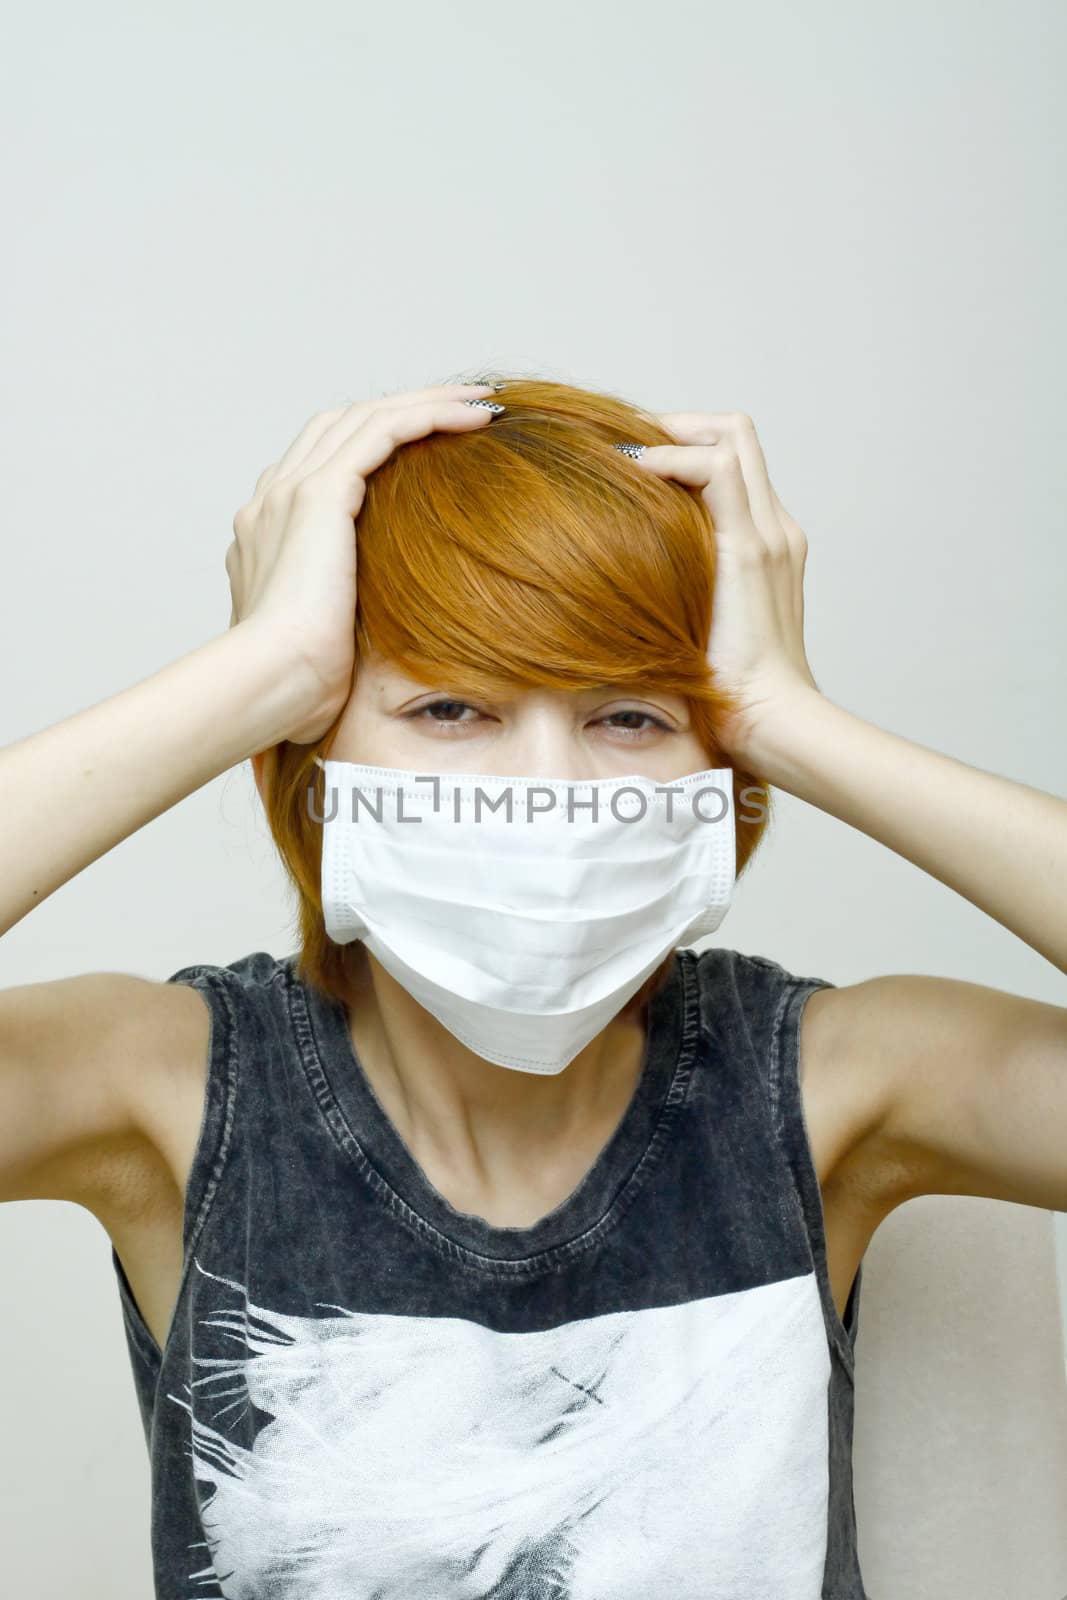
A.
x: 756, y: 644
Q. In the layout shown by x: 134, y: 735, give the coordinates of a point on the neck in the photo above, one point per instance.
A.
x: 470, y: 1113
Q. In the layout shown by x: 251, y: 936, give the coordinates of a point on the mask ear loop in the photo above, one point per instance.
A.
x: 320, y: 763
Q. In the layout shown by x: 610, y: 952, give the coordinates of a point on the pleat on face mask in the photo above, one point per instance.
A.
x: 523, y: 912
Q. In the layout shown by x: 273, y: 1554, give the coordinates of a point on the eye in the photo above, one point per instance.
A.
x: 645, y: 716
x: 438, y: 705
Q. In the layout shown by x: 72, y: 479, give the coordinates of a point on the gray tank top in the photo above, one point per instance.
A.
x: 365, y: 1394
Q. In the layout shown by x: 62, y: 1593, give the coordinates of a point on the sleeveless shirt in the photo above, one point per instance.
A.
x: 366, y: 1394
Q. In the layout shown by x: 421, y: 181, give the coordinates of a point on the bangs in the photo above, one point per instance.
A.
x: 531, y: 553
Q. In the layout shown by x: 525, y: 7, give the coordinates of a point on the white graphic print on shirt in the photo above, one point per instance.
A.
x: 677, y: 1450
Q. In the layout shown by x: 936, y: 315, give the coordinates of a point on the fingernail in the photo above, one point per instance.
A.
x: 490, y: 405
x: 634, y: 451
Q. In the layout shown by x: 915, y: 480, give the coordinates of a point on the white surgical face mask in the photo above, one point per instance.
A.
x: 523, y: 934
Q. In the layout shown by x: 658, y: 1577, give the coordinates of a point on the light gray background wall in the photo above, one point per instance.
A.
x: 848, y: 222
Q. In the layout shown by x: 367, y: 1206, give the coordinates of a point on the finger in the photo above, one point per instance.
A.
x: 356, y: 417
x: 231, y: 561
x: 740, y: 430
x: 379, y: 434
x: 308, y: 436
x: 789, y: 523
x: 689, y: 427
x: 715, y: 469
x: 321, y: 434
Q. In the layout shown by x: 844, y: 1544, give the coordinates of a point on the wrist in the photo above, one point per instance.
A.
x: 776, y: 743
x: 278, y: 689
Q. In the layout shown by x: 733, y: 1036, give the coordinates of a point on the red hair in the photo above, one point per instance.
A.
x: 529, y: 554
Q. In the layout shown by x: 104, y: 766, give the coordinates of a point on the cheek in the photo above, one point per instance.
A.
x: 376, y: 740
x: 691, y: 756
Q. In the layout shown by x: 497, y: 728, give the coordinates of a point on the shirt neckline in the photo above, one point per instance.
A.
x: 620, y: 1168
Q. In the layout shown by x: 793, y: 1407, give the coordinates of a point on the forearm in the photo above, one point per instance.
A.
x: 1000, y: 844
x: 71, y: 792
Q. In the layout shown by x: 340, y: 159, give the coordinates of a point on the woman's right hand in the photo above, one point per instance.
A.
x: 292, y: 563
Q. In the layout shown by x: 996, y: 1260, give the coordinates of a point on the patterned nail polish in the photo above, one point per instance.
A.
x: 634, y: 451
x: 490, y: 405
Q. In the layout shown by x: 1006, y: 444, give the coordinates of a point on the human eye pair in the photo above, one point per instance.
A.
x: 427, y: 713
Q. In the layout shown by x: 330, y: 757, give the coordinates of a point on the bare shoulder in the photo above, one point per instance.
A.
x: 94, y: 1070
x: 849, y: 1080
x: 962, y: 1086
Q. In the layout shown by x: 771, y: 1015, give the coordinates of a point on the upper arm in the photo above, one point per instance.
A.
x: 87, y: 1065
x: 965, y: 1086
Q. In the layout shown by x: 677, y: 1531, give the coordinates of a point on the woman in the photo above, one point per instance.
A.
x: 415, y: 1310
